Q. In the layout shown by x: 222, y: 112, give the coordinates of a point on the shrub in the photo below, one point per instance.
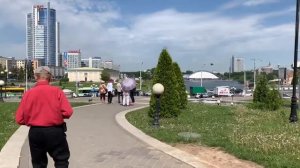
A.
x: 264, y: 97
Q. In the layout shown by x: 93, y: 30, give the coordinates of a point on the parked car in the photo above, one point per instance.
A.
x: 286, y: 96
x: 147, y: 94
x: 201, y: 95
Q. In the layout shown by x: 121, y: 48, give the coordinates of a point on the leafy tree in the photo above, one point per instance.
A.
x: 1, y: 68
x: 14, y: 73
x: 146, y: 75
x: 261, y: 90
x: 264, y: 97
x: 21, y: 74
x: 105, y: 76
x: 180, y: 87
x: 188, y: 72
x: 29, y: 66
x: 274, y: 100
x: 164, y: 74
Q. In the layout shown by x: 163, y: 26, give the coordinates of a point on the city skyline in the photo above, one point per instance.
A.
x: 194, y: 32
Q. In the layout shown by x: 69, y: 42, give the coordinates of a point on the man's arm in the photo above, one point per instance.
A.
x: 66, y: 108
x: 20, y: 112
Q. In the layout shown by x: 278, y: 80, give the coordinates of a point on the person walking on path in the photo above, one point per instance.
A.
x: 109, y: 90
x: 126, y: 98
x: 44, y: 108
x: 132, y: 95
x: 102, y: 90
x: 119, y: 92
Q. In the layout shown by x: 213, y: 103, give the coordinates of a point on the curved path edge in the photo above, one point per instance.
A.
x: 174, y: 152
x: 11, y: 151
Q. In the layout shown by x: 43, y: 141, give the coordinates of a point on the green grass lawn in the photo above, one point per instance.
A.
x: 7, y: 120
x: 265, y: 137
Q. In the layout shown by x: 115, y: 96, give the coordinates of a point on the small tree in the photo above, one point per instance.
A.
x: 261, y: 90
x: 21, y: 74
x: 29, y: 67
x: 180, y: 87
x: 164, y: 74
x: 264, y: 97
x: 105, y: 76
x: 274, y: 100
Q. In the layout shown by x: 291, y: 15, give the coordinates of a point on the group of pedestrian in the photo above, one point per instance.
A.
x: 124, y: 96
x: 106, y: 89
x: 127, y: 96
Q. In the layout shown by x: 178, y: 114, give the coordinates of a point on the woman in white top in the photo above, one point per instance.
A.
x: 109, y: 90
x: 119, y: 92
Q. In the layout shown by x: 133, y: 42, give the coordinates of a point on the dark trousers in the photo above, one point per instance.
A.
x: 52, y: 140
x: 132, y: 96
x: 102, y: 96
x: 109, y: 97
x: 120, y: 97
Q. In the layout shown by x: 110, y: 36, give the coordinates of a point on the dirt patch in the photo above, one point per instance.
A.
x: 216, y: 157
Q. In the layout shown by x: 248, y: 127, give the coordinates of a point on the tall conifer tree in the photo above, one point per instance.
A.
x: 164, y: 74
x: 180, y: 87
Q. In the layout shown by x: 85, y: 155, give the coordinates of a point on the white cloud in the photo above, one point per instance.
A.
x: 193, y: 39
x: 258, y: 2
x: 249, y: 3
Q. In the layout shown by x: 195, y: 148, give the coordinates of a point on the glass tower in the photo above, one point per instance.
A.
x: 41, y: 34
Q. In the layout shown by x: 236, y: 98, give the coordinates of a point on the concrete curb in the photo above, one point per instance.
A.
x: 174, y: 152
x: 10, y: 153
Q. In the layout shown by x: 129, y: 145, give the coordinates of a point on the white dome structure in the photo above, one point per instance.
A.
x: 203, y: 75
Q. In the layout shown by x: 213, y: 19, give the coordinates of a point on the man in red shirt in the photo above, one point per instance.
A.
x: 44, y: 108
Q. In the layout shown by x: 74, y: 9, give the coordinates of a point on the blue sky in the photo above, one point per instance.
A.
x: 195, y: 32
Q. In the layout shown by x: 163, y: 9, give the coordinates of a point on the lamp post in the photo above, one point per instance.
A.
x: 293, y: 115
x: 201, y: 79
x: 158, y: 89
x: 5, y: 85
x: 1, y: 85
x: 6, y: 81
x: 141, y: 77
x: 278, y: 79
x: 254, y: 75
x: 201, y: 74
x: 245, y: 81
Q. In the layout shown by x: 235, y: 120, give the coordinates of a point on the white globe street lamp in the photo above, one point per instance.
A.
x: 158, y: 89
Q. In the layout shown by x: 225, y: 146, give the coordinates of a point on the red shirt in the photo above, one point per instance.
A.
x: 43, y: 105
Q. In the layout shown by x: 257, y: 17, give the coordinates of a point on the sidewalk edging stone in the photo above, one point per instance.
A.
x: 10, y: 153
x: 174, y: 152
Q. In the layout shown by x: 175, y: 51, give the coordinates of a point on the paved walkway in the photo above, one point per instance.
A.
x: 97, y: 141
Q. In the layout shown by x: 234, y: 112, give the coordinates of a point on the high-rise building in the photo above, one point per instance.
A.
x: 237, y: 64
x: 72, y: 59
x: 42, y: 35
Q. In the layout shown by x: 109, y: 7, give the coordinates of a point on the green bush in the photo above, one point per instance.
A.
x: 64, y: 80
x: 264, y: 97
